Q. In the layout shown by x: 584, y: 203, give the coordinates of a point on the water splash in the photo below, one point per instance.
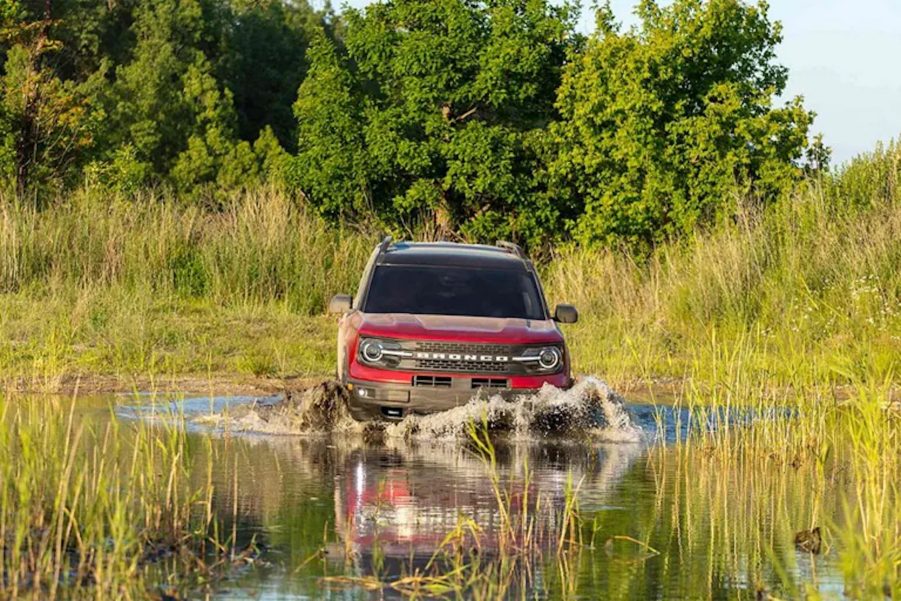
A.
x: 589, y: 411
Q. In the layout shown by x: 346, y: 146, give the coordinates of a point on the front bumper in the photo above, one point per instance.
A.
x: 394, y: 400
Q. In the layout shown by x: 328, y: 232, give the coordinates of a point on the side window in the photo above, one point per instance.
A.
x: 541, y: 297
x: 361, y: 288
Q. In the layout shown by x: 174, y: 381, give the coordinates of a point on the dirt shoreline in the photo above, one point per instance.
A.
x: 218, y: 384
x: 662, y: 390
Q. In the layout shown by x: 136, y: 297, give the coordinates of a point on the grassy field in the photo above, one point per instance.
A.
x: 799, y: 293
x: 772, y: 309
x: 128, y: 288
x: 125, y: 287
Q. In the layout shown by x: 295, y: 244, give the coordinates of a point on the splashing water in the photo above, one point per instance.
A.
x: 589, y: 411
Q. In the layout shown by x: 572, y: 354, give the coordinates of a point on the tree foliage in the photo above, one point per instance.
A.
x: 142, y: 92
x: 429, y: 110
x: 481, y: 118
x: 46, y: 122
x: 662, y: 126
x: 264, y: 64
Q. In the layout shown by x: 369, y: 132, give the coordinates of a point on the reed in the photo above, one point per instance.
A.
x: 764, y: 469
x: 100, y: 509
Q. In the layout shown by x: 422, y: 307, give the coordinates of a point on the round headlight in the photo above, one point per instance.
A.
x: 549, y: 358
x: 371, y: 350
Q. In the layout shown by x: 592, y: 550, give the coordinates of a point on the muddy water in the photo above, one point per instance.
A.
x: 342, y: 507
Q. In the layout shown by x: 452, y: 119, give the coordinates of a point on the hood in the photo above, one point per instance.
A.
x: 463, y: 328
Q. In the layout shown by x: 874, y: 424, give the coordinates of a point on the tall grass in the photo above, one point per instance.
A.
x: 754, y: 474
x: 808, y: 290
x: 257, y: 248
x: 99, y: 283
x: 96, y: 509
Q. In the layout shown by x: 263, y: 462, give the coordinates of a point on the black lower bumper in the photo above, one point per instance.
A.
x: 391, y: 401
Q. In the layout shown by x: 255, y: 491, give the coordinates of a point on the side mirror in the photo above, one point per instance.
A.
x: 566, y: 314
x: 340, y: 303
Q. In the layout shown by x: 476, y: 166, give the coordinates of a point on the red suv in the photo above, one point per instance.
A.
x: 434, y: 324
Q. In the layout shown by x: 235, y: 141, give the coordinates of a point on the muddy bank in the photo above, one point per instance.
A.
x: 223, y: 384
x: 591, y: 410
x: 662, y: 389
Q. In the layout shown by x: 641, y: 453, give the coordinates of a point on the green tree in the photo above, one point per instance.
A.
x: 47, y: 123
x: 165, y: 103
x: 173, y: 118
x: 93, y: 35
x: 331, y: 165
x: 264, y: 63
x: 662, y: 126
x: 433, y: 110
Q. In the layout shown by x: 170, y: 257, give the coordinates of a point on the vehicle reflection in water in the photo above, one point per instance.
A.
x: 390, y: 507
x: 404, y: 502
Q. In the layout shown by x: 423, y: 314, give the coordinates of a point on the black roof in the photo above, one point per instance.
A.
x: 449, y: 253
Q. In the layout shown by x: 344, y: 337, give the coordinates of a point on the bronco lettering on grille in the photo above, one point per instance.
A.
x: 461, y: 357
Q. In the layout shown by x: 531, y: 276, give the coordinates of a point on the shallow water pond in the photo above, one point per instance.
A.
x: 337, y: 517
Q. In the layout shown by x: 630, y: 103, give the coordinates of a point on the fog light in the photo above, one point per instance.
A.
x: 363, y: 392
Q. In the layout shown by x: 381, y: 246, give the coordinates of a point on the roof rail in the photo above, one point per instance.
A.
x: 384, y: 244
x: 511, y: 248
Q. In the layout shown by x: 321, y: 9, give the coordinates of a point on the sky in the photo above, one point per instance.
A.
x: 842, y: 57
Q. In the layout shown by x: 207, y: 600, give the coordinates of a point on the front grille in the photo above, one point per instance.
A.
x: 432, y: 346
x: 468, y: 366
x: 457, y: 347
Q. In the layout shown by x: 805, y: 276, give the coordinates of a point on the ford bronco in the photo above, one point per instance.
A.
x: 434, y: 324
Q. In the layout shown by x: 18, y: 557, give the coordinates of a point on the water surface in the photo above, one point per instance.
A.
x: 658, y: 522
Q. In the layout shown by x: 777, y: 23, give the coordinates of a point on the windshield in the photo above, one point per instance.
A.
x: 433, y: 290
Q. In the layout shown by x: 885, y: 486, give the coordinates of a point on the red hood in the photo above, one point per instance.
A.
x: 460, y: 328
